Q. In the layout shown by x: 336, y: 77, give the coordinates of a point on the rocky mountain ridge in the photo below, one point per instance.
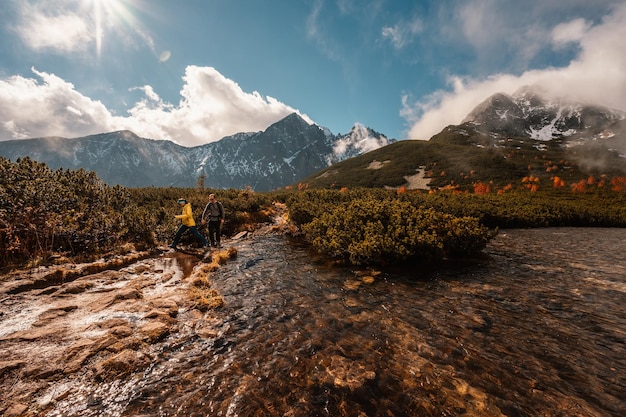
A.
x: 284, y: 153
x: 527, y: 113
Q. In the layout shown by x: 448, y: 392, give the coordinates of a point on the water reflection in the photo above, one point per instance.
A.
x: 539, y: 328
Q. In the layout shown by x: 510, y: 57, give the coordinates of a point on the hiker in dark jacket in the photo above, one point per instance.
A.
x: 214, y: 215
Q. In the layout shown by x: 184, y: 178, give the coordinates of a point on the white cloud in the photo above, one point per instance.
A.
x: 40, y: 29
x: 149, y: 92
x: 212, y: 106
x: 597, y: 75
x: 316, y: 32
x: 569, y: 32
x: 359, y: 139
x: 50, y: 108
x: 502, y: 30
x: 402, y: 33
x: 478, y: 21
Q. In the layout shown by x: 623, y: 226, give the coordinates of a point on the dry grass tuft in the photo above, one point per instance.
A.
x: 210, y: 267
x: 220, y: 258
x: 95, y: 267
x: 205, y: 299
x: 200, y: 282
x: 201, y: 295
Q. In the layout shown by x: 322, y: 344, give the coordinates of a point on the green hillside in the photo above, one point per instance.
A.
x: 460, y: 158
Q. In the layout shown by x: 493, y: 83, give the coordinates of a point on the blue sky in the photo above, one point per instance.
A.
x: 194, y: 71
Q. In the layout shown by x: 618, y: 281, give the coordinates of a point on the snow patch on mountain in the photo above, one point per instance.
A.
x: 545, y: 133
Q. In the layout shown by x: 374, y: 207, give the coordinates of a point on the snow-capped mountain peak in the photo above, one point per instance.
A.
x: 528, y: 113
x: 359, y: 140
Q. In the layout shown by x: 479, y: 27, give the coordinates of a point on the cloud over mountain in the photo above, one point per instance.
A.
x: 211, y: 107
x: 597, y: 75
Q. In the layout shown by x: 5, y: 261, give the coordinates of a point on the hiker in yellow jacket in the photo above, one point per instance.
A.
x: 188, y: 224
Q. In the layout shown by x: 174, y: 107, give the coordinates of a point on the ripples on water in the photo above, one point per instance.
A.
x: 537, y: 328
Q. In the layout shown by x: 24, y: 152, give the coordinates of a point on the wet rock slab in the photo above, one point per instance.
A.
x: 61, y: 331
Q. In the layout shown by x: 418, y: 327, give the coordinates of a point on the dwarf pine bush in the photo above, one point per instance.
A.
x: 368, y: 230
x: 63, y: 211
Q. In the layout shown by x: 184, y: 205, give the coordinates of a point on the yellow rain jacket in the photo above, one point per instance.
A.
x: 187, y: 216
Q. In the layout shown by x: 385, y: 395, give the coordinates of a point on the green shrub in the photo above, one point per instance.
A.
x: 63, y: 211
x: 520, y: 209
x: 369, y: 230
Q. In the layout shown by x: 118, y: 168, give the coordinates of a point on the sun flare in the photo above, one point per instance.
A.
x: 109, y: 15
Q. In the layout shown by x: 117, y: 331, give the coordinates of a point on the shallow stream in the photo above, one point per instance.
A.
x: 537, y: 328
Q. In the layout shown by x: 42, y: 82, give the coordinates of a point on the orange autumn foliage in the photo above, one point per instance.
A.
x: 481, y: 188
x: 618, y: 184
x: 558, y: 182
x: 451, y: 187
x: 579, y: 187
x: 530, y: 179
x: 506, y: 188
x: 531, y: 182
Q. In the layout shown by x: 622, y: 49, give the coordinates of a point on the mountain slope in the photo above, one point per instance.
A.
x: 503, y: 140
x: 264, y: 160
x: 119, y: 157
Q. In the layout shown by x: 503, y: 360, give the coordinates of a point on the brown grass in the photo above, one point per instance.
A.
x: 200, y: 293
